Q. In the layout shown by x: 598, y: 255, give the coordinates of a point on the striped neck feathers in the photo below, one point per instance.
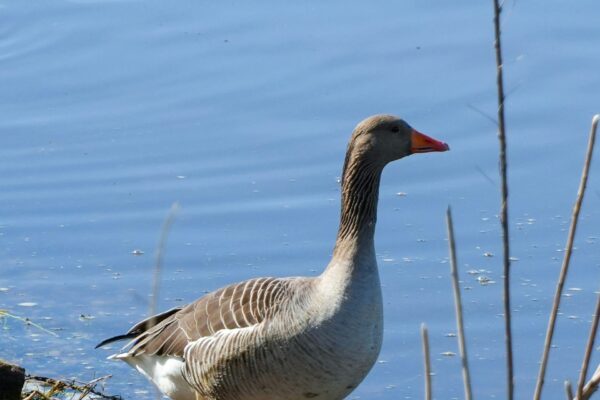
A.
x: 360, y: 193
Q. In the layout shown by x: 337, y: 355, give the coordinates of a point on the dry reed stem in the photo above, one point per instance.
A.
x: 26, y: 321
x: 33, y: 394
x: 592, y: 385
x: 504, y: 204
x: 58, y: 386
x: 160, y: 249
x: 458, y: 307
x: 426, y: 361
x: 84, y: 394
x: 569, y: 390
x: 567, y: 258
x: 588, y: 350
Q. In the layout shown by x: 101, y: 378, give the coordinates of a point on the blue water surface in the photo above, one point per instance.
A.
x: 111, y: 111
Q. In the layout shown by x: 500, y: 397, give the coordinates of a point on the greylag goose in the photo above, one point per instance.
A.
x: 287, y: 338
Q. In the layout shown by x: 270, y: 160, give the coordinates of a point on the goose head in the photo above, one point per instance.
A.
x: 381, y: 139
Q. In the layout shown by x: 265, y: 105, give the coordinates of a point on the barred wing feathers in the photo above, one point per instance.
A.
x: 241, y: 305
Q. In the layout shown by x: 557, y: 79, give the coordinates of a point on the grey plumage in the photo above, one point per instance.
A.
x: 287, y: 338
x: 235, y: 306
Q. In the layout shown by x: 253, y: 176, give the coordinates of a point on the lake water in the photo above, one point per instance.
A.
x: 110, y: 111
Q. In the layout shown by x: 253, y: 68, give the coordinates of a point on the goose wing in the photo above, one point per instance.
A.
x: 240, y: 305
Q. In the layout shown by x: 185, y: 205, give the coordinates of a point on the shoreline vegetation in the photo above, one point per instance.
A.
x: 15, y: 384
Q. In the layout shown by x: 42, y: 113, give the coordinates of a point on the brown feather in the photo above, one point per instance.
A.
x: 236, y: 306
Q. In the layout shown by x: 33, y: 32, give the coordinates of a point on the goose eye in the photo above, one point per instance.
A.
x: 395, y: 129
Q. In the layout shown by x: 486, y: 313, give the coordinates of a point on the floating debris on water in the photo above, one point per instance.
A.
x: 488, y: 254
x: 574, y: 289
x: 137, y: 252
x: 4, y: 289
x: 484, y: 280
x: 448, y: 354
x: 527, y: 282
x: 401, y: 194
x: 450, y: 334
x: 83, y: 317
x: 478, y: 271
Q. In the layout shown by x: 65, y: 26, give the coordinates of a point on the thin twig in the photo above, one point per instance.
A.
x: 57, y: 384
x: 159, y: 257
x: 569, y: 390
x: 57, y: 388
x: 592, y: 385
x: 26, y: 321
x: 426, y: 361
x: 103, y: 378
x: 84, y: 393
x: 160, y: 249
x: 588, y: 350
x: 486, y: 176
x: 483, y: 114
x: 458, y: 307
x: 567, y: 258
x: 32, y: 395
x: 504, y: 204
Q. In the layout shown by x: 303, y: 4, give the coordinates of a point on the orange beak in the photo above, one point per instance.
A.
x: 421, y: 143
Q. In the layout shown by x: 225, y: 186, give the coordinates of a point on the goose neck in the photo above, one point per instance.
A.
x: 360, y: 193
